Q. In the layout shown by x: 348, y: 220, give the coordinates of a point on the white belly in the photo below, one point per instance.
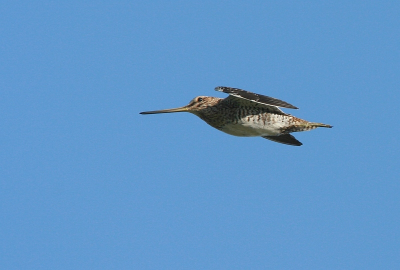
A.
x: 253, y: 129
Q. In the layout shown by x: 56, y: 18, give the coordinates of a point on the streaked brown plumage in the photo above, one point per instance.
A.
x: 247, y: 114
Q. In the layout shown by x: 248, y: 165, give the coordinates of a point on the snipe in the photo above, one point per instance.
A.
x: 247, y: 114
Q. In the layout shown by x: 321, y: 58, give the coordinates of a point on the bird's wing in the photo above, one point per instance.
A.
x: 285, y: 139
x: 241, y: 102
x: 253, y: 97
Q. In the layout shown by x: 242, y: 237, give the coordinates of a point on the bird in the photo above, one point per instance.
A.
x: 247, y: 114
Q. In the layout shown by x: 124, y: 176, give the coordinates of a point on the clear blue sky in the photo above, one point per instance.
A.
x: 88, y: 183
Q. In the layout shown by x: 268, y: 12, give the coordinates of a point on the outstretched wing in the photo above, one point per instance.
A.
x: 253, y: 97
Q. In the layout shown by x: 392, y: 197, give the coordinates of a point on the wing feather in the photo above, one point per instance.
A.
x: 253, y: 97
x: 236, y: 101
x: 285, y: 139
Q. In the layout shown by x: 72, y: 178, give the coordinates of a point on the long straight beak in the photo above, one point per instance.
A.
x: 180, y: 109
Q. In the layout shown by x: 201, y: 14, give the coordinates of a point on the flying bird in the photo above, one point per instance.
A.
x: 247, y: 114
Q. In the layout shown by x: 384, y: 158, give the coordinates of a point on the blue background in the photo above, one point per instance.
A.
x: 88, y: 183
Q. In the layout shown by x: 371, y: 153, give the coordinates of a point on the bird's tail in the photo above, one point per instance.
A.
x: 305, y: 126
x: 320, y: 125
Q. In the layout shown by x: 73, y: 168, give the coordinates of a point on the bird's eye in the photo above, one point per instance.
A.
x: 199, y: 99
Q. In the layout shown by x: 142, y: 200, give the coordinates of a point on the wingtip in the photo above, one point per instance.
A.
x: 287, y: 139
